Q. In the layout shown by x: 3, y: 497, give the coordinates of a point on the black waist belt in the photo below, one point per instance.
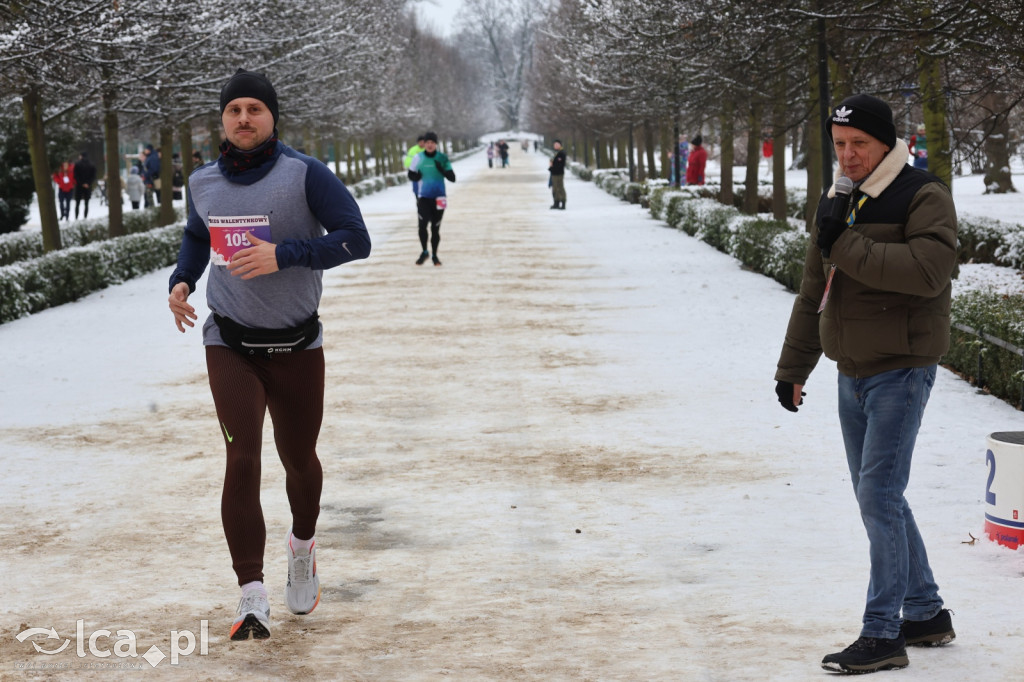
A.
x: 267, y: 342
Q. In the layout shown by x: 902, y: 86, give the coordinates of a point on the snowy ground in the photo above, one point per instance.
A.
x: 557, y: 457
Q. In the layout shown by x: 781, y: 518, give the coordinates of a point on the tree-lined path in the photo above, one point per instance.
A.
x: 556, y: 457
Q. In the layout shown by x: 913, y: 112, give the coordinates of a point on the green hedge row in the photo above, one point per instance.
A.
x: 777, y: 249
x: 987, y: 364
x: 69, y: 274
x: 19, y: 246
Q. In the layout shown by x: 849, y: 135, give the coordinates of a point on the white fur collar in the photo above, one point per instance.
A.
x: 880, y: 178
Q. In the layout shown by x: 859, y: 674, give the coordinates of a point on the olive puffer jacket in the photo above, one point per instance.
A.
x: 888, y: 305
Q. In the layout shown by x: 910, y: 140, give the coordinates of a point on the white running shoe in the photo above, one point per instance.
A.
x: 253, y: 617
x: 302, y: 592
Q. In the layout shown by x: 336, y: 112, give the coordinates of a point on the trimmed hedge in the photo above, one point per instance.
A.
x: 69, y: 274
x: 18, y: 246
x: 986, y: 364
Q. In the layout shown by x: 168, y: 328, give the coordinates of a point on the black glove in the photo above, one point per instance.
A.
x: 415, y: 176
x: 440, y: 166
x: 828, y: 233
x: 784, y: 390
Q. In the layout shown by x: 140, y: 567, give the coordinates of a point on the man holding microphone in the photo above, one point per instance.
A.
x: 875, y: 298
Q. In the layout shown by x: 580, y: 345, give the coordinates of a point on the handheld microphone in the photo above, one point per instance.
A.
x: 844, y: 187
x: 832, y: 226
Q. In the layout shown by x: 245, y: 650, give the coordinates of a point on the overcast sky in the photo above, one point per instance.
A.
x: 439, y: 14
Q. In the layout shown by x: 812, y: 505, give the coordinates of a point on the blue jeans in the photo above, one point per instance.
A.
x: 880, y: 416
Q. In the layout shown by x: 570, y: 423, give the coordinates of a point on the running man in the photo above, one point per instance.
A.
x: 260, y: 213
x: 430, y: 168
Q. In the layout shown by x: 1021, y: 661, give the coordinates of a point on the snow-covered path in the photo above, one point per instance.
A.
x: 557, y: 457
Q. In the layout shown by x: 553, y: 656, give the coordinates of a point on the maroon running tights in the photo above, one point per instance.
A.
x: 291, y: 387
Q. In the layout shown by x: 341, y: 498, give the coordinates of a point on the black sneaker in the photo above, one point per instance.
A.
x: 935, y: 631
x: 868, y: 655
x: 436, y: 261
x: 423, y: 258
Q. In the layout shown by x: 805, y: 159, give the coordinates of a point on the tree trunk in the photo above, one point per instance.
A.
x: 166, y: 216
x: 32, y: 107
x: 185, y: 144
x: 814, y: 151
x: 318, y: 146
x: 750, y: 196
x: 350, y: 175
x: 779, y: 207
x: 934, y: 105
x: 665, y: 137
x: 631, y: 155
x: 998, y: 179
x: 728, y: 151
x: 641, y: 171
x: 337, y: 157
x: 652, y: 169
x: 214, y: 126
x: 115, y: 224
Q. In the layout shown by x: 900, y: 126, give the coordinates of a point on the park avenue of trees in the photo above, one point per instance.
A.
x: 613, y: 78
x: 608, y: 71
x: 351, y: 75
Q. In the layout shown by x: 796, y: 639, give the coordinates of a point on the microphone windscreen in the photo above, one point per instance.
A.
x: 844, y: 185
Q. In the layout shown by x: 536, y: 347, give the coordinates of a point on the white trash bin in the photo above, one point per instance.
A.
x: 1004, y: 493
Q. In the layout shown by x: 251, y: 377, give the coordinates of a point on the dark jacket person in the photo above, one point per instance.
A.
x: 875, y: 298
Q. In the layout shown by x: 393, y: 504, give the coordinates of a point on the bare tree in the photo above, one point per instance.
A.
x: 503, y: 33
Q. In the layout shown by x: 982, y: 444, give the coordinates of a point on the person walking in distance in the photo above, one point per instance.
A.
x: 431, y: 168
x: 153, y: 170
x: 698, y: 158
x: 503, y: 153
x: 65, y: 180
x: 85, y: 178
x: 271, y: 220
x: 875, y: 298
x: 134, y: 187
x: 150, y: 162
x: 557, y: 170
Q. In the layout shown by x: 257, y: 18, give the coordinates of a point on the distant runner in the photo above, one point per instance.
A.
x: 431, y: 168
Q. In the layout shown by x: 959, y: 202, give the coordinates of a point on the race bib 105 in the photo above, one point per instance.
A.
x: 230, y: 234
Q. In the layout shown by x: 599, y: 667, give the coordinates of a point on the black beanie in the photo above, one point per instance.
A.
x: 430, y: 135
x: 866, y: 113
x: 249, y: 84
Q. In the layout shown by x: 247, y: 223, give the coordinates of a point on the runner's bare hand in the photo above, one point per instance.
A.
x: 178, y: 303
x: 259, y: 259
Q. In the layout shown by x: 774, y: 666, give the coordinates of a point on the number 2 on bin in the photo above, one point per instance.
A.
x: 990, y: 458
